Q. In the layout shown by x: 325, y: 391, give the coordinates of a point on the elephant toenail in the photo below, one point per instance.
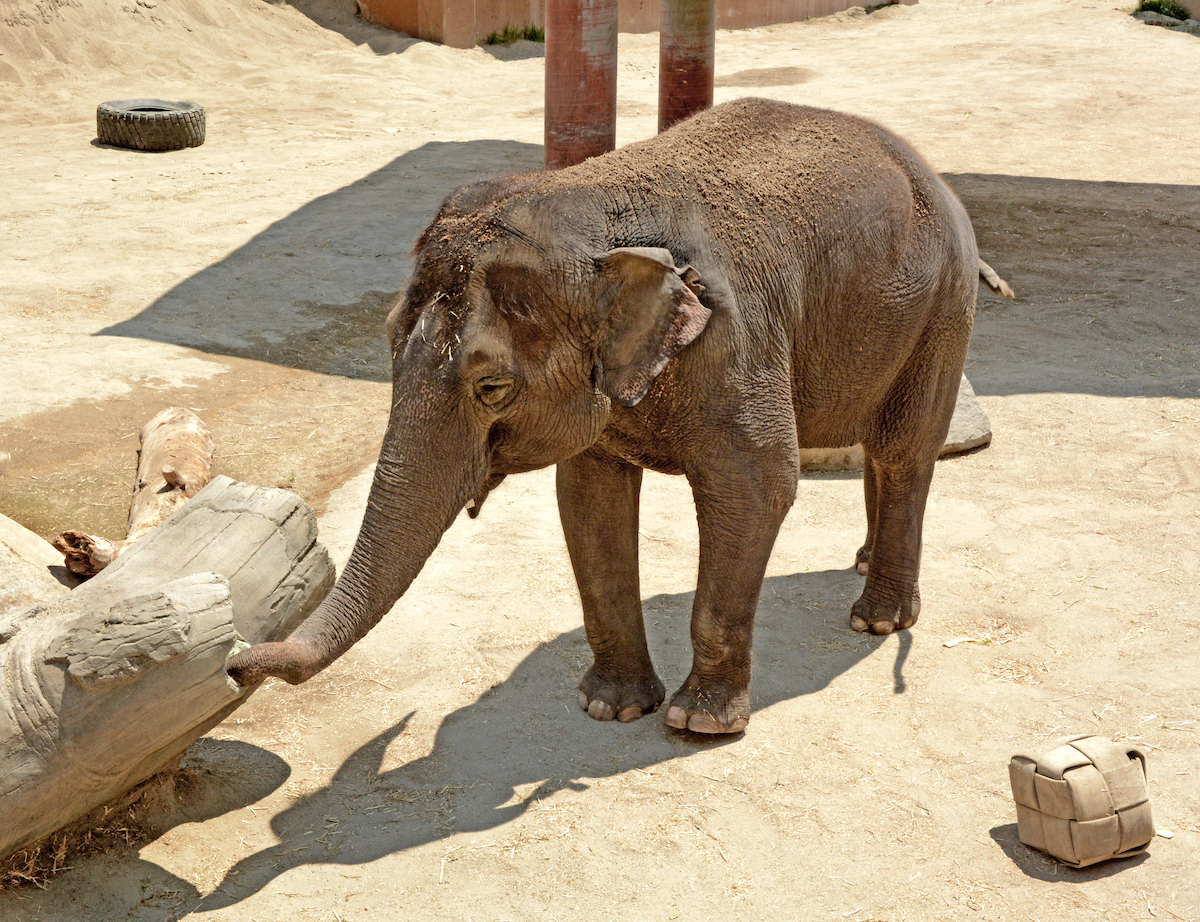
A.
x: 677, y: 717
x: 703, y: 723
x: 629, y: 714
x: 600, y: 710
x: 584, y: 701
x: 883, y: 627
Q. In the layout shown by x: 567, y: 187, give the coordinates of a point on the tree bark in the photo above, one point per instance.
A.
x: 30, y: 569
x: 173, y: 466
x: 108, y: 685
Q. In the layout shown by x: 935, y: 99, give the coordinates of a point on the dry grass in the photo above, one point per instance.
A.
x: 987, y: 631
x: 136, y: 817
x: 1005, y: 669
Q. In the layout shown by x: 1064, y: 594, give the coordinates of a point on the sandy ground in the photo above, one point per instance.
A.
x: 442, y: 770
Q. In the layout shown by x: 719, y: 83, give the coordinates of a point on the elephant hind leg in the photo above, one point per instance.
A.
x: 891, y: 598
x: 901, y: 450
x: 862, y: 559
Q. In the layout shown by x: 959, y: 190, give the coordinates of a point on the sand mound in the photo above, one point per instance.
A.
x: 45, y: 41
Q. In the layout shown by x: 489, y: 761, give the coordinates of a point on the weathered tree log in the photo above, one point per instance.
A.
x: 104, y: 687
x: 30, y: 569
x: 174, y: 465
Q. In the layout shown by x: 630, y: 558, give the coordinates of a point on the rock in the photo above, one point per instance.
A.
x: 1157, y: 19
x: 1191, y: 26
x: 831, y: 459
x: 969, y: 428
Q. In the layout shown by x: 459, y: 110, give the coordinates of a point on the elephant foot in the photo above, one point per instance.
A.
x: 709, y: 711
x: 862, y: 560
x: 884, y: 618
x: 623, y: 700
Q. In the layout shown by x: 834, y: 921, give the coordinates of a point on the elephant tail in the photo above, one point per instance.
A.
x: 989, y: 277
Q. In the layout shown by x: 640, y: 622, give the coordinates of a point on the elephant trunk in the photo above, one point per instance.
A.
x: 420, y: 486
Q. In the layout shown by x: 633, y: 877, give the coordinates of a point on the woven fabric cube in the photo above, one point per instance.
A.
x: 1084, y: 801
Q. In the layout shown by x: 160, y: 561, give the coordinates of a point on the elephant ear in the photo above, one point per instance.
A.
x: 650, y: 311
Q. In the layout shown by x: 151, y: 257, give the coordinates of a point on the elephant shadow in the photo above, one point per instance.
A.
x: 312, y: 290
x: 495, y: 757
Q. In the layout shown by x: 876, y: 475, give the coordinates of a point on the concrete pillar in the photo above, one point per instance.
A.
x: 686, y: 59
x: 458, y: 23
x: 581, y: 80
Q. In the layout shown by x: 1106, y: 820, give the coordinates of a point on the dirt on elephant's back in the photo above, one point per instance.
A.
x: 767, y: 148
x: 764, y: 171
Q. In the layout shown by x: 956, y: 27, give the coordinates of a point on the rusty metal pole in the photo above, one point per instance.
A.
x: 581, y: 80
x: 686, y: 58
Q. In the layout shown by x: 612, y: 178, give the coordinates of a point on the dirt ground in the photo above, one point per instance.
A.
x: 442, y: 769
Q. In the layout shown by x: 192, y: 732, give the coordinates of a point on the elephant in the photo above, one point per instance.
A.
x: 760, y: 278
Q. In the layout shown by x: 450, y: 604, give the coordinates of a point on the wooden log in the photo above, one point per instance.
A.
x: 30, y: 569
x: 107, y: 686
x: 86, y: 555
x: 174, y: 464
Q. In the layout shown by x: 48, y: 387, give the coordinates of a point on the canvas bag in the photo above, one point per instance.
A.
x: 1083, y: 801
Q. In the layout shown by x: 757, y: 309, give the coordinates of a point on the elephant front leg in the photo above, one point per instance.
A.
x: 738, y: 526
x: 598, y: 505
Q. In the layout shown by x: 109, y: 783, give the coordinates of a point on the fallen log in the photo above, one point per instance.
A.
x: 106, y: 686
x: 174, y: 464
x: 30, y: 569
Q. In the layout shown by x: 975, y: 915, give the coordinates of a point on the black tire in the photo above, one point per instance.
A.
x: 150, y: 124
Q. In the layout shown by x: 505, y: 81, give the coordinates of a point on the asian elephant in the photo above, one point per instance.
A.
x: 760, y: 278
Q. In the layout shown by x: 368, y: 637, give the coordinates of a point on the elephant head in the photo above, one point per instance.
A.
x: 517, y: 333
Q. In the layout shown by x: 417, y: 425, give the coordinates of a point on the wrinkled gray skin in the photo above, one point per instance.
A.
x: 761, y: 278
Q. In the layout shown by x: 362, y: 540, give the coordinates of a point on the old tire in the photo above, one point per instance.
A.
x: 150, y: 124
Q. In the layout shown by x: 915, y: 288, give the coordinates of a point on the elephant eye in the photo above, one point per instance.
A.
x: 494, y: 390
